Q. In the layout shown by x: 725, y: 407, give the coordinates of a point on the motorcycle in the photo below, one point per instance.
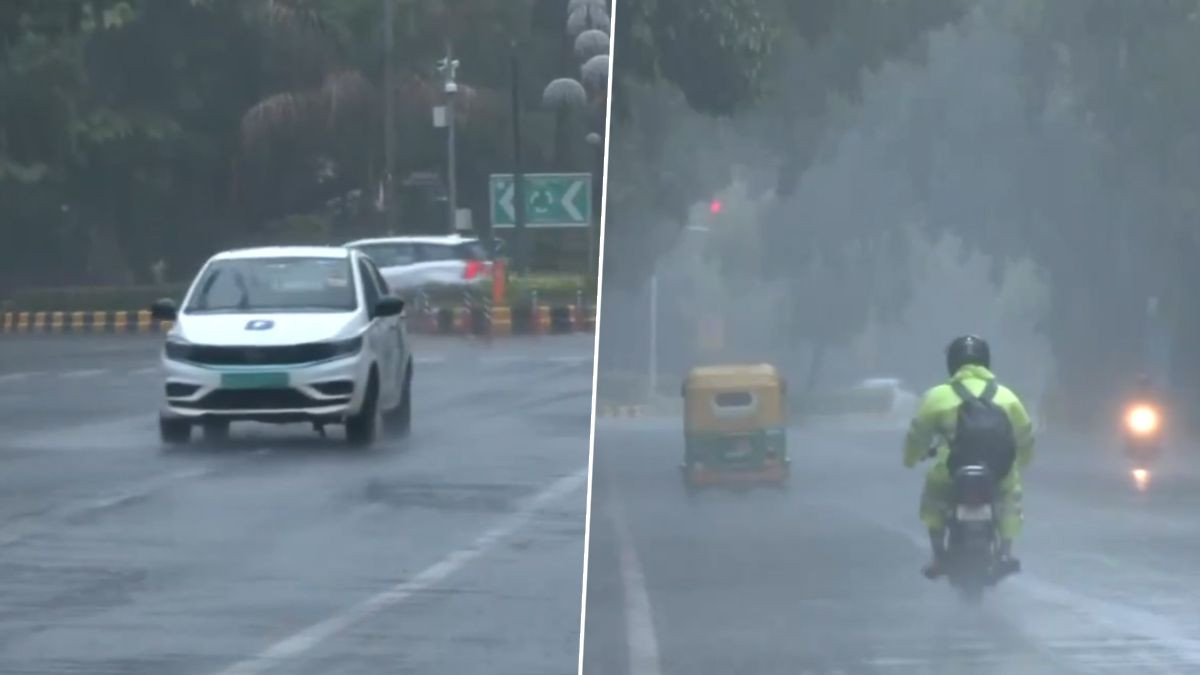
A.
x: 973, y: 548
x: 1143, y: 440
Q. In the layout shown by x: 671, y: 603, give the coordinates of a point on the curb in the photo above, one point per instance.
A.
x: 478, y: 321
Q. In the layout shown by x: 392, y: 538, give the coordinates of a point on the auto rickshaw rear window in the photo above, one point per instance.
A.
x: 733, y: 399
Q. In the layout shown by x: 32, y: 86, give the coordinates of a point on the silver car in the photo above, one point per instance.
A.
x: 412, y: 262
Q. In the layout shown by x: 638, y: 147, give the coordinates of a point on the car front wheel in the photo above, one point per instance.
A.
x: 362, y: 428
x: 174, y: 431
x: 400, y: 419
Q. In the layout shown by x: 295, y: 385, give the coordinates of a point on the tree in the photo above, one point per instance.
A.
x: 138, y: 130
x: 785, y: 61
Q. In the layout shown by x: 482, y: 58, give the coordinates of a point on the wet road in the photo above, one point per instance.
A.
x: 825, y: 581
x: 458, y: 551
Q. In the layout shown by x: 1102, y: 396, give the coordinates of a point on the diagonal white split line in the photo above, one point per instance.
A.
x: 91, y: 372
x: 309, y: 638
x: 24, y: 528
x: 11, y: 377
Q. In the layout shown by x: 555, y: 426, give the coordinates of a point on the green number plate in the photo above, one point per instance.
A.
x: 254, y: 380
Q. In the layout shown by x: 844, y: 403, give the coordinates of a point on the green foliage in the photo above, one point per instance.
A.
x: 139, y: 130
x: 91, y: 298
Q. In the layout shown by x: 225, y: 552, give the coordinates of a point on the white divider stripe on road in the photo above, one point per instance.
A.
x: 90, y: 372
x: 640, y: 637
x: 313, y: 636
x: 19, y: 530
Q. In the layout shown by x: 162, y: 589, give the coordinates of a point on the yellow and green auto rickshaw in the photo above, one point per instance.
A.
x: 735, y: 426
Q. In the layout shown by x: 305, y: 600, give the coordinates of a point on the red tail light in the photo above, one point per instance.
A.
x: 474, y: 268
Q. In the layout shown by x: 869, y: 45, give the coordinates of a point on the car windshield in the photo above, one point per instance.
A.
x: 275, y: 284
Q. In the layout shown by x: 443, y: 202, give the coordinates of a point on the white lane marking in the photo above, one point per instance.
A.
x: 24, y: 528
x: 429, y: 360
x: 91, y: 372
x: 573, y: 360
x: 640, y: 638
x: 311, y: 637
x: 9, y: 377
x: 149, y: 370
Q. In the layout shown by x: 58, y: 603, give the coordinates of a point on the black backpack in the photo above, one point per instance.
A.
x: 984, y: 434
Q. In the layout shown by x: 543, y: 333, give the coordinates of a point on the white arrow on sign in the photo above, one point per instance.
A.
x: 569, y: 199
x: 506, y: 201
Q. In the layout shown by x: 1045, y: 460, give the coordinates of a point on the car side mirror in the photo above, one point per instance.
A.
x: 164, y: 310
x: 389, y: 306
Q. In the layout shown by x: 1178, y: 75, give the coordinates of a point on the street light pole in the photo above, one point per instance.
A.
x: 389, y: 115
x: 520, y: 252
x: 597, y: 142
x: 654, y: 332
x: 449, y: 66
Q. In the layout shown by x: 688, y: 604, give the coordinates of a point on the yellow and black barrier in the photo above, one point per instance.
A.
x: 82, y: 322
x: 503, y: 321
x: 483, y: 321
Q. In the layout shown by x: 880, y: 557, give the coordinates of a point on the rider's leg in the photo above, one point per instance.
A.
x: 1011, y: 519
x: 935, y: 500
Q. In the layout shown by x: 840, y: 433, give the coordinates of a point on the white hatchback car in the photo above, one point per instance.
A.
x: 286, y: 334
x: 412, y: 262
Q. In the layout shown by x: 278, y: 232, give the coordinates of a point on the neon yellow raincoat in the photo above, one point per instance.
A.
x: 936, y: 419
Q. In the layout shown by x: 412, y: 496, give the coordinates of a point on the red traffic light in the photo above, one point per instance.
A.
x: 714, y: 206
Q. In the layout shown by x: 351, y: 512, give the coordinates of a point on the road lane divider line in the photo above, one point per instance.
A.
x: 641, y: 640
x: 15, y: 532
x: 307, y: 639
x: 90, y: 372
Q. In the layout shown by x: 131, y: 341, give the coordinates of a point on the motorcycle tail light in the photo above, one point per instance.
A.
x: 975, y: 498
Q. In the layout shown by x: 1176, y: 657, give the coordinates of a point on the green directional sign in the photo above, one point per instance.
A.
x: 551, y: 200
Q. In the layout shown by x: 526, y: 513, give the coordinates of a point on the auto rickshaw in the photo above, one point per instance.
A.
x: 735, y: 427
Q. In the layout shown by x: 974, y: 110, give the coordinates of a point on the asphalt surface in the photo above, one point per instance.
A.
x: 458, y: 551
x: 825, y: 579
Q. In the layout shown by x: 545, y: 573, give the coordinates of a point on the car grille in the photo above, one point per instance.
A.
x: 258, y: 356
x: 259, y: 399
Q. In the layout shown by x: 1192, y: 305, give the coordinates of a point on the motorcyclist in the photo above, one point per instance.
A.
x: 1144, y: 395
x: 968, y: 361
x: 1145, y: 391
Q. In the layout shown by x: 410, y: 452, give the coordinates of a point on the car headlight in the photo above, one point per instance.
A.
x: 177, y: 350
x: 348, y: 347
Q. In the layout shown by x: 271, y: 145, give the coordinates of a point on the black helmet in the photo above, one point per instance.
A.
x: 968, y: 349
